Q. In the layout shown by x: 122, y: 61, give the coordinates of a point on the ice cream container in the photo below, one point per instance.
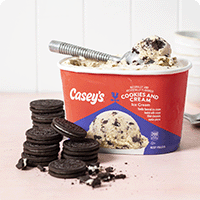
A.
x: 130, y: 112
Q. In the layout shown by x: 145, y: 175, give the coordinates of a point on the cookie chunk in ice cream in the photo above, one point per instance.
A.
x: 117, y: 130
x: 152, y: 47
x: 155, y: 50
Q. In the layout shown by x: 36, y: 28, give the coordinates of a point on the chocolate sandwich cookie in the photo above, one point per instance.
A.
x: 83, y: 158
x: 36, y: 164
x: 46, y: 142
x: 46, y: 117
x: 41, y: 150
x: 87, y: 162
x: 87, y: 144
x: 43, y: 136
x: 41, y: 125
x: 44, y: 110
x: 46, y: 105
x: 68, y: 129
x: 40, y: 147
x: 34, y: 161
x: 80, y: 153
x: 85, y: 149
x: 67, y: 168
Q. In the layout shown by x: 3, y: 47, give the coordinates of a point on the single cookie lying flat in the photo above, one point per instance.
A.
x: 67, y: 168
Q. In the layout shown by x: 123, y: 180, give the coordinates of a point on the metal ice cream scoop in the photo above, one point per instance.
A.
x: 70, y: 49
x: 194, y: 119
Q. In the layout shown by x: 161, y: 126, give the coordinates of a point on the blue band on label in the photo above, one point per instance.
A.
x: 160, y: 140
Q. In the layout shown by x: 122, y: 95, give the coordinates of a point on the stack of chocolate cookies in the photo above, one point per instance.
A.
x: 41, y: 146
x: 42, y: 143
x: 77, y: 147
x: 44, y: 110
x: 85, y: 150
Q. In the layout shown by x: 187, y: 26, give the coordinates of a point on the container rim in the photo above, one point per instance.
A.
x: 187, y: 65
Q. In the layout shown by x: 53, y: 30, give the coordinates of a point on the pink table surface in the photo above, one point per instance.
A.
x: 170, y: 176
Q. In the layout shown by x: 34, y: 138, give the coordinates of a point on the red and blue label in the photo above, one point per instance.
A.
x: 155, y: 102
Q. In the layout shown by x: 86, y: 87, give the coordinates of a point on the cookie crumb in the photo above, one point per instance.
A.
x: 22, y: 163
x: 104, y: 174
x: 93, y: 168
x: 41, y: 168
x: 109, y: 169
x: 120, y: 176
x: 83, y: 179
x: 96, y: 182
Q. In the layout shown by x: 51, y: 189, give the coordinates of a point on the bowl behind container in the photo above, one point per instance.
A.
x: 187, y: 46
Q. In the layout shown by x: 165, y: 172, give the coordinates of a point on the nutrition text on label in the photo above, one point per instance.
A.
x: 153, y: 114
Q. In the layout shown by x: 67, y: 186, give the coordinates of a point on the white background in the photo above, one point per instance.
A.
x: 111, y: 26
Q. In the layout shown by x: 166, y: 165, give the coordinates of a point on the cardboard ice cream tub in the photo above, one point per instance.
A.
x: 127, y: 111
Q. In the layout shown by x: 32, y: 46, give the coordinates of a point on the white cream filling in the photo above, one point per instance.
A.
x: 67, y: 132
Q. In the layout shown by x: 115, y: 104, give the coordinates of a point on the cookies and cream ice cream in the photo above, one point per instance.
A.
x: 151, y: 48
x: 126, y: 106
x: 117, y: 130
x: 154, y: 53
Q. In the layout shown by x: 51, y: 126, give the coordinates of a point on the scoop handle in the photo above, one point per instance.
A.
x: 70, y: 49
